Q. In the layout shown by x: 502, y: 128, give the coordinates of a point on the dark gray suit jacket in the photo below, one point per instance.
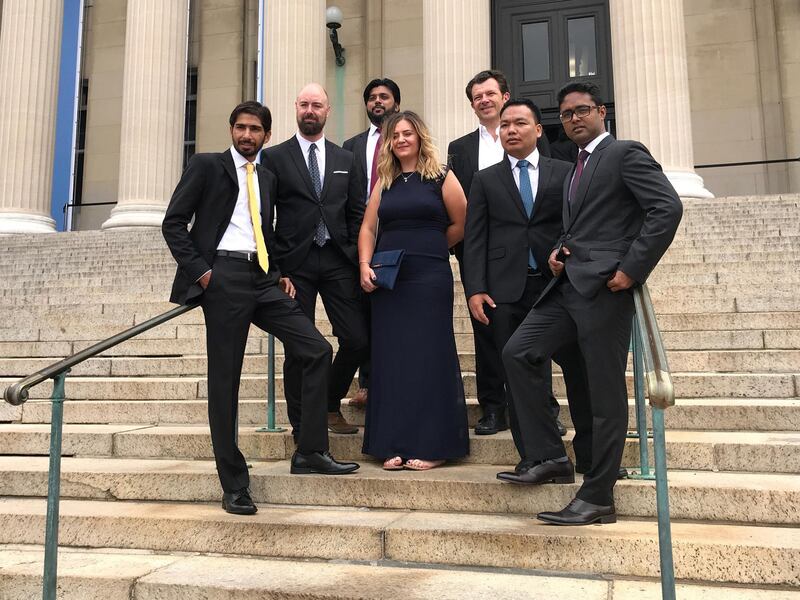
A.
x: 624, y: 216
x: 298, y: 209
x: 499, y: 233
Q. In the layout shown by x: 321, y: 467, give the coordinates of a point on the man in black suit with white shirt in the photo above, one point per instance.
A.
x: 486, y: 92
x: 319, y: 211
x: 381, y: 99
x: 619, y: 216
x: 513, y: 220
x: 226, y: 264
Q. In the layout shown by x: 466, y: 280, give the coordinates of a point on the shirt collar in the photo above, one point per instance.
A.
x: 372, y: 130
x: 532, y: 158
x: 484, y: 132
x: 238, y: 160
x: 595, y: 142
x: 305, y: 144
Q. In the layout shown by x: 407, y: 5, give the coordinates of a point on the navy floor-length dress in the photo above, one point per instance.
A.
x: 416, y: 405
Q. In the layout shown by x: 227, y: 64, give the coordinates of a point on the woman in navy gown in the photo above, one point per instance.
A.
x: 416, y: 415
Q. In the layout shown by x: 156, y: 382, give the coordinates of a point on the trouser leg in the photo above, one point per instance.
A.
x: 525, y: 358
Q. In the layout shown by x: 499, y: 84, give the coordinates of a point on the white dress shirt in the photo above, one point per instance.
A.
x: 490, y: 150
x: 372, y: 141
x: 239, y: 236
x: 305, y: 145
x: 533, y: 170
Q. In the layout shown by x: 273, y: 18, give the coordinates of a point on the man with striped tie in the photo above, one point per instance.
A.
x: 225, y: 264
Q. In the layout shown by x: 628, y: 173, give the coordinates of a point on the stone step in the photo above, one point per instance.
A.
x: 143, y: 575
x: 740, y: 554
x: 721, y: 361
x: 712, y: 414
x: 697, y: 495
x: 768, y: 452
x: 687, y: 385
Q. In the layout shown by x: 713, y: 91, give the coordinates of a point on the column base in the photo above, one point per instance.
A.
x: 688, y: 185
x: 132, y: 216
x: 12, y: 222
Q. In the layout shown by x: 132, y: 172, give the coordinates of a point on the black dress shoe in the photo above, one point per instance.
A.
x: 239, y: 502
x: 491, y: 424
x: 579, y: 512
x: 321, y: 463
x: 548, y: 471
x: 562, y: 431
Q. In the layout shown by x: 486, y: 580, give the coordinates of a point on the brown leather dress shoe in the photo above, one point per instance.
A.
x: 338, y: 424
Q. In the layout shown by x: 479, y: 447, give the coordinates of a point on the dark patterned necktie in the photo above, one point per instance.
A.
x: 321, y: 233
x: 573, y: 189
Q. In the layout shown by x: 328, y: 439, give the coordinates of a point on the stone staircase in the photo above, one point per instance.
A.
x: 141, y: 516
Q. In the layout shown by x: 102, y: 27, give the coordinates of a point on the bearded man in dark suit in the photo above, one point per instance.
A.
x: 226, y: 263
x: 319, y: 209
x: 619, y: 215
x: 381, y: 99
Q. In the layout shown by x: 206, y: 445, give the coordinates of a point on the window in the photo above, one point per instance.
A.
x: 536, y: 51
x: 190, y: 121
x: 582, y: 47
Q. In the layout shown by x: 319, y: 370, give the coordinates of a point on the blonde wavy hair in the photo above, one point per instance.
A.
x: 428, y: 165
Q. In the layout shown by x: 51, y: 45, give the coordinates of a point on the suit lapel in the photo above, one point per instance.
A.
x: 474, y: 149
x: 507, y: 178
x: 300, y: 162
x: 361, y: 149
x: 330, y: 156
x: 230, y: 201
x: 545, y: 173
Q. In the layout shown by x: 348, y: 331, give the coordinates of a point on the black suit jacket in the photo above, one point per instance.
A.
x: 499, y: 233
x: 298, y: 209
x: 624, y: 216
x: 358, y: 146
x: 207, y: 192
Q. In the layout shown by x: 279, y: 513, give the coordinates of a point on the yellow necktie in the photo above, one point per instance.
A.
x: 255, y: 217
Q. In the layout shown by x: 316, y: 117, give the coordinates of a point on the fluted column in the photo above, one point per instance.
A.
x: 295, y: 43
x: 153, y: 104
x: 651, y: 86
x: 30, y: 46
x: 455, y: 46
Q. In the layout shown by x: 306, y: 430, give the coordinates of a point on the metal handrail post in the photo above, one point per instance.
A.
x: 271, y: 427
x: 662, y: 503
x: 49, y: 576
x: 641, y: 412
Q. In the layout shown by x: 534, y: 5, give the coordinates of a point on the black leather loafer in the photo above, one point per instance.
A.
x: 579, y: 512
x: 239, y: 502
x: 548, y: 471
x: 321, y: 463
x: 491, y: 424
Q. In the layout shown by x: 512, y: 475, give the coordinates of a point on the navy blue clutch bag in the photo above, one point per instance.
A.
x: 386, y: 266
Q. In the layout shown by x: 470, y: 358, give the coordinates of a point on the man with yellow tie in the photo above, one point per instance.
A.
x: 224, y: 265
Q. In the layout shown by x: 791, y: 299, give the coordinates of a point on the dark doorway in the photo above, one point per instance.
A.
x: 541, y: 45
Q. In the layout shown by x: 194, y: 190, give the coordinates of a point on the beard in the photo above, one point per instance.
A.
x: 311, y: 127
x: 378, y: 119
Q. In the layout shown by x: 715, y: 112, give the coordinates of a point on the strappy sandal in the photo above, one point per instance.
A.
x: 422, y: 465
x: 391, y: 464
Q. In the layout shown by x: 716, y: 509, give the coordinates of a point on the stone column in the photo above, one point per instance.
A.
x: 456, y: 44
x: 30, y: 49
x: 295, y: 46
x: 153, y: 104
x: 651, y: 86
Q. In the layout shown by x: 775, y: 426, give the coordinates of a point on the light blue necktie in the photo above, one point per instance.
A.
x: 526, y: 192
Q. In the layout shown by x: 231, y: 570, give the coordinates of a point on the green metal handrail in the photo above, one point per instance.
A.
x: 17, y: 394
x: 651, y: 375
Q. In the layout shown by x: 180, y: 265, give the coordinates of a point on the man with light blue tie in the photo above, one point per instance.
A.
x: 513, y: 221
